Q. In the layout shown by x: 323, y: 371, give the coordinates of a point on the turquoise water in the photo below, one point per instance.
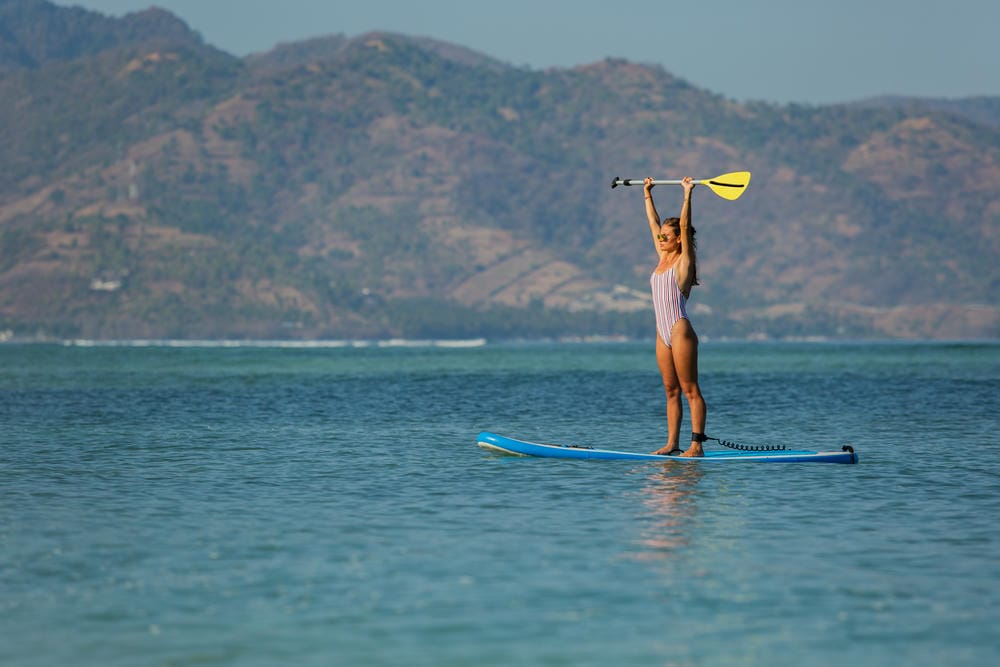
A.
x: 262, y: 506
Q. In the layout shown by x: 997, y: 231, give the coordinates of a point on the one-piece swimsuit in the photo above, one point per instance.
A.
x: 668, y: 302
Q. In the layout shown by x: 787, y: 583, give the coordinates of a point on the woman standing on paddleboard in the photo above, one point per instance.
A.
x: 676, y: 342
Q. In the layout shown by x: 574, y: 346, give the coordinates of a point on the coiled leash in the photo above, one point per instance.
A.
x: 701, y: 437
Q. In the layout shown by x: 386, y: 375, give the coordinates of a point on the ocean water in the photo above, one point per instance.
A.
x: 264, y: 506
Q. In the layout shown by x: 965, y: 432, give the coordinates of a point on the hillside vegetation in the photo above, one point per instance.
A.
x: 389, y: 186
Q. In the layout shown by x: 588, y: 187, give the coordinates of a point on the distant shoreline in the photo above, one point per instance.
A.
x: 466, y: 343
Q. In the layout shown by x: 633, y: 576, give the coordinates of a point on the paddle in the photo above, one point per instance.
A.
x: 728, y: 186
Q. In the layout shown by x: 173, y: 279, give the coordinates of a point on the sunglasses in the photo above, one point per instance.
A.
x: 662, y: 237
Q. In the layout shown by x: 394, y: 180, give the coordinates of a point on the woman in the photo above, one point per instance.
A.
x: 676, y: 342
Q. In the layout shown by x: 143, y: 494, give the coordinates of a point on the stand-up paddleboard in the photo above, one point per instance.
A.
x: 504, y: 445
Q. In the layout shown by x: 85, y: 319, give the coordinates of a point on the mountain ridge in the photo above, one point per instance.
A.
x: 37, y: 32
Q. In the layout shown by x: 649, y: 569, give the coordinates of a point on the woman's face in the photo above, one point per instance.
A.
x: 667, y: 238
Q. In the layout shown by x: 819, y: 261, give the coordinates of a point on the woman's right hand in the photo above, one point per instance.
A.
x: 647, y: 184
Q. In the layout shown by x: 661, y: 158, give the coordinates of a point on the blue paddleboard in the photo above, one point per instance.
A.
x: 505, y: 445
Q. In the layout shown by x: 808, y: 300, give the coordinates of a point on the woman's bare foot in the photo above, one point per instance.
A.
x: 694, y: 450
x: 667, y: 450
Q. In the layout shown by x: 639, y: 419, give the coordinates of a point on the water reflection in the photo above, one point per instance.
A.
x: 668, y: 499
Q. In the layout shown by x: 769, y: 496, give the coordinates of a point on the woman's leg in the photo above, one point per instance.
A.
x: 684, y: 343
x: 672, y: 388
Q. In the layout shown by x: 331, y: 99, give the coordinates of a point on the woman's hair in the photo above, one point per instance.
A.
x: 675, y: 225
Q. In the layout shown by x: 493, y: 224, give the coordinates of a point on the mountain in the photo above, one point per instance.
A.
x: 391, y: 186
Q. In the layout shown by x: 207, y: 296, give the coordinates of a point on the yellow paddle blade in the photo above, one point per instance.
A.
x: 729, y: 186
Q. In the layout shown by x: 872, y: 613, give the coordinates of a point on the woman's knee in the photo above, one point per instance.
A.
x: 692, y: 391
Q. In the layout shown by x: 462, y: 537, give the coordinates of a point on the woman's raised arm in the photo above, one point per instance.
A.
x: 651, y: 215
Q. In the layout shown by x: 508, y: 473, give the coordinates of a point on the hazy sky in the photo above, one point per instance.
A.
x: 809, y: 51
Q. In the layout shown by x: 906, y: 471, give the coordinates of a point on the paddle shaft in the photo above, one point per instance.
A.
x: 640, y: 181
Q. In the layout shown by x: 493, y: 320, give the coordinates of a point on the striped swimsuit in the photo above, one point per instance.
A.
x: 668, y: 302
